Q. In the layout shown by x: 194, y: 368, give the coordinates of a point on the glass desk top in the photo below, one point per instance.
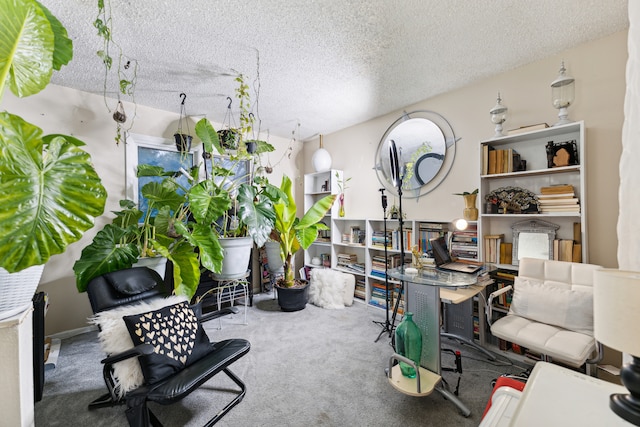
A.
x: 433, y: 277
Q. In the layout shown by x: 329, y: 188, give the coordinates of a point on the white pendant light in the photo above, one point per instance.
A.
x: 321, y: 159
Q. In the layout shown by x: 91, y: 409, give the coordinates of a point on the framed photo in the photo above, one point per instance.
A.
x: 562, y: 154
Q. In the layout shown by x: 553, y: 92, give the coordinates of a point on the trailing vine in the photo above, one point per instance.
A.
x: 126, y: 71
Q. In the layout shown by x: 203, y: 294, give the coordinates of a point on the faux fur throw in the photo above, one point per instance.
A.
x: 326, y: 288
x: 114, y: 338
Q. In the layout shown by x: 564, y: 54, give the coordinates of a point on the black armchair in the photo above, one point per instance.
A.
x: 175, y: 354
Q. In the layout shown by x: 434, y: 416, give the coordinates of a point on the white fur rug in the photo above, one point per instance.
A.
x: 328, y: 288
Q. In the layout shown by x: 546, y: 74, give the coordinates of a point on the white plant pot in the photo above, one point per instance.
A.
x: 273, y: 255
x: 157, y: 264
x: 237, y: 254
x: 17, y: 290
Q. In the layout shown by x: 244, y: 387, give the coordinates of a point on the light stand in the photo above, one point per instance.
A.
x: 397, y: 175
x: 386, y: 326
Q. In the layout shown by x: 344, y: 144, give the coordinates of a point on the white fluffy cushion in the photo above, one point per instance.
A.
x: 114, y: 338
x: 553, y: 305
x: 330, y: 288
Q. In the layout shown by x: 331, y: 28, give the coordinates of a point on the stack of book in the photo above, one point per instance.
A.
x: 464, y: 243
x: 379, y: 294
x: 558, y: 198
x: 350, y: 263
x: 360, y: 291
x: 379, y: 239
x: 378, y: 264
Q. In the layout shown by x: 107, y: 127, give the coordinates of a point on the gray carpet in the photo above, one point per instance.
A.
x: 314, y: 367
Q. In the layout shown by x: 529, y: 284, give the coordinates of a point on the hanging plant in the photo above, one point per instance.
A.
x: 183, y: 140
x: 126, y: 70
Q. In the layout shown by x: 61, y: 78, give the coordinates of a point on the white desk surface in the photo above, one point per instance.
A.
x: 458, y: 295
x: 556, y: 396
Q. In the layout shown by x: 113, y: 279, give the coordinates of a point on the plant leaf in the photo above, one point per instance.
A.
x: 106, y: 253
x: 256, y: 212
x: 55, y: 193
x: 26, y: 47
x: 63, y: 46
x: 208, y: 135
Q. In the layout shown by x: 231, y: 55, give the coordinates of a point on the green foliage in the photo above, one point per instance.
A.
x: 294, y: 233
x: 466, y: 193
x: 49, y: 190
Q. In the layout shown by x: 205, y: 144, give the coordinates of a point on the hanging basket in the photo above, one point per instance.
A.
x: 183, y: 142
x: 17, y: 290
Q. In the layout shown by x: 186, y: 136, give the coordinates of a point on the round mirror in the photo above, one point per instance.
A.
x: 425, y: 146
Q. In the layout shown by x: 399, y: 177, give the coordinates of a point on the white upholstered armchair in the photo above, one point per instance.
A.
x: 551, y: 312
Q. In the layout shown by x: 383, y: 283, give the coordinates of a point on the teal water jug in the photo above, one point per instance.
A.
x: 408, y: 344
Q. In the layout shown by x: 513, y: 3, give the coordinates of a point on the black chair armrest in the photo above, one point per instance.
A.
x: 139, y: 350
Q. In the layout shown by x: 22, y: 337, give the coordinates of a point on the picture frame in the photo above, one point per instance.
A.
x: 561, y: 154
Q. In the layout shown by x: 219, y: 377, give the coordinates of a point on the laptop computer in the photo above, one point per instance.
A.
x: 443, y: 259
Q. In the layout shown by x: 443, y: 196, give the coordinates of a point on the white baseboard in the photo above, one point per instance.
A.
x: 73, y: 332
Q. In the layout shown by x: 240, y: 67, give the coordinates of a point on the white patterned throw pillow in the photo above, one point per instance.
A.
x: 114, y: 338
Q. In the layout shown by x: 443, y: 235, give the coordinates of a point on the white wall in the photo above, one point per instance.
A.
x: 83, y: 115
x: 599, y: 70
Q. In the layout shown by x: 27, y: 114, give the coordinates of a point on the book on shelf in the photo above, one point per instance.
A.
x: 357, y: 236
x: 577, y: 232
x: 551, y: 201
x: 492, y: 247
x: 506, y: 250
x: 557, y: 189
x: 563, y: 250
x: 500, y: 160
x: 565, y: 208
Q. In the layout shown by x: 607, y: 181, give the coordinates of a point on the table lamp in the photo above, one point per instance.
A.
x: 616, y: 321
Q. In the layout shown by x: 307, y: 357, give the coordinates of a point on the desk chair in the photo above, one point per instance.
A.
x: 133, y: 302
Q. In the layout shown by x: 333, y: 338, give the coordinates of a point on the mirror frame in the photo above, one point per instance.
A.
x: 532, y: 226
x: 382, y: 166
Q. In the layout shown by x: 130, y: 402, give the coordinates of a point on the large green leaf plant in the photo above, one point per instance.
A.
x: 252, y: 211
x: 177, y: 225
x: 49, y: 190
x: 295, y: 233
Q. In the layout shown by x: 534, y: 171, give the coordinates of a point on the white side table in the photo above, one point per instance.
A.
x: 557, y: 396
x: 231, y: 288
x: 16, y: 364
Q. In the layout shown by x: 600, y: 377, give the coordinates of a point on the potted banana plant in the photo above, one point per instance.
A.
x: 293, y: 234
x: 50, y: 192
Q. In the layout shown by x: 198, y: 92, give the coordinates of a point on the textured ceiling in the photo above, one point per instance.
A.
x: 325, y: 64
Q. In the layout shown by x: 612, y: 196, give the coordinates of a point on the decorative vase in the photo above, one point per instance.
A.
x: 321, y: 159
x: 470, y: 212
x: 341, y: 201
x: 409, y: 344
